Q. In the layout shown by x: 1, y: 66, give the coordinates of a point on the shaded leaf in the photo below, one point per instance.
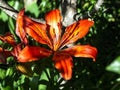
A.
x: 34, y: 83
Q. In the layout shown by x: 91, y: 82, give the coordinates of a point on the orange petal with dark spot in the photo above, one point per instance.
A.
x: 37, y: 31
x: 82, y: 51
x: 20, y: 27
x: 76, y: 31
x: 63, y: 62
x: 53, y: 20
x: 33, y: 53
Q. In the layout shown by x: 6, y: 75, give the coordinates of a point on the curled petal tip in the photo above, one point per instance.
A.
x: 21, y: 13
x: 76, y: 31
x: 86, y: 51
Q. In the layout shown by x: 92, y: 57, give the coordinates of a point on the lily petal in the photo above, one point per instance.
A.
x: 33, y: 53
x: 16, y: 50
x: 53, y: 19
x: 82, y: 51
x: 36, y: 30
x: 76, y: 31
x: 8, y: 37
x: 20, y: 27
x: 63, y: 62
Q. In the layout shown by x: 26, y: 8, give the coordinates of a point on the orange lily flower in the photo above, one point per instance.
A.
x: 52, y: 35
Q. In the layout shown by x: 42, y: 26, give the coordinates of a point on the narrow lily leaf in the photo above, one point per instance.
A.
x: 12, y: 28
x: 63, y: 64
x: 82, y: 51
x: 33, y: 53
x: 53, y: 19
x: 76, y: 31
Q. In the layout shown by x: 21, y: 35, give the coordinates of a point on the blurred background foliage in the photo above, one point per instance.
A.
x: 104, y: 74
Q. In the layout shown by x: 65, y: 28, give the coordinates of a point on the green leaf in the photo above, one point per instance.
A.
x: 114, y: 66
x: 3, y: 16
x: 9, y: 72
x: 7, y: 88
x: 1, y: 42
x: 11, y: 26
x: 44, y: 76
x: 33, y: 8
x: 2, y: 73
x: 42, y: 87
x: 85, y: 5
x: 21, y: 80
x: 34, y: 83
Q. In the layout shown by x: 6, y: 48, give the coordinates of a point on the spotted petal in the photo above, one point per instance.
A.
x: 36, y: 30
x: 20, y: 27
x: 63, y: 62
x: 82, y: 51
x: 76, y: 31
x: 53, y: 20
x: 33, y: 53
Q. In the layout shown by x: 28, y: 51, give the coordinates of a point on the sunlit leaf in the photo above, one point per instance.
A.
x: 33, y: 8
x: 42, y: 87
x: 11, y: 26
x: 3, y: 16
x: 9, y: 72
x: 2, y: 73
x: 44, y: 76
x: 114, y: 66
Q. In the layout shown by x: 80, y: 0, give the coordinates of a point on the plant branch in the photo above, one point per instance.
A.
x: 68, y: 8
x: 8, y: 9
x: 4, y: 6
